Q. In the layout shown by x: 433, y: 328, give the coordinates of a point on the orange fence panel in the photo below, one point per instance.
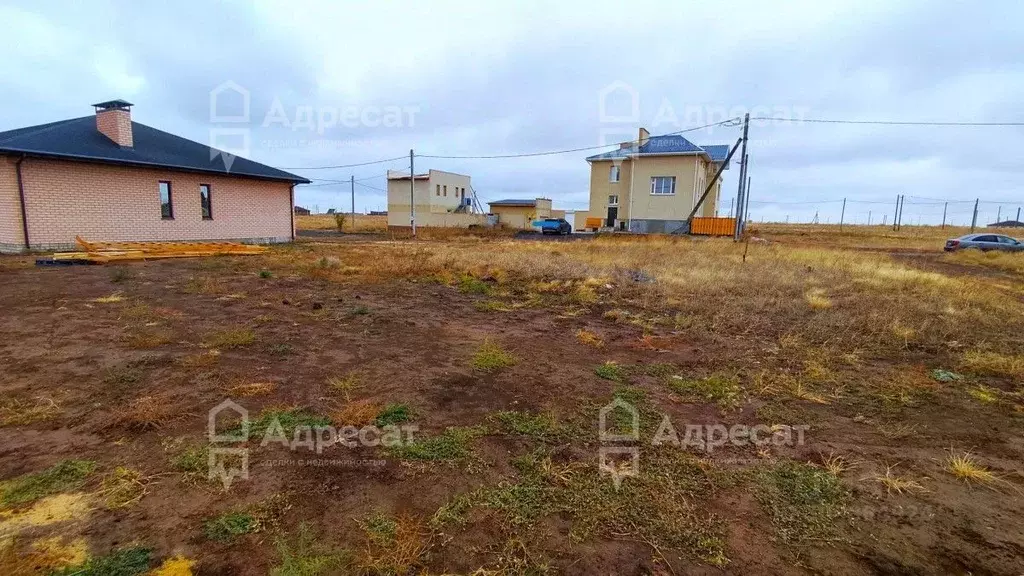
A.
x: 713, y: 226
x: 594, y: 223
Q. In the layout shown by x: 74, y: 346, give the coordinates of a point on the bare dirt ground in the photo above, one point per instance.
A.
x: 118, y: 367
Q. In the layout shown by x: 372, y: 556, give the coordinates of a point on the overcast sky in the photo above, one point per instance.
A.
x: 463, y: 78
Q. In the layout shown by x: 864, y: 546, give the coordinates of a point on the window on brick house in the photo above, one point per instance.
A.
x: 205, y: 201
x: 166, y: 205
x: 438, y: 193
x: 445, y: 190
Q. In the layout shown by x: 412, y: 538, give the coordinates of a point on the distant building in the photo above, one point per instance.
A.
x: 300, y: 211
x: 378, y: 212
x: 442, y: 199
x: 653, y: 183
x: 1007, y: 224
x: 520, y: 214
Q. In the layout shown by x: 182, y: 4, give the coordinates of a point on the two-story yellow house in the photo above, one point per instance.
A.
x: 651, y: 185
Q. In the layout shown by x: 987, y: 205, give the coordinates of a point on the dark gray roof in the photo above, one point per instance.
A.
x: 78, y: 139
x: 513, y: 202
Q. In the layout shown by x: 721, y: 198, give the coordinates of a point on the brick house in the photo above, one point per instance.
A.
x: 107, y: 178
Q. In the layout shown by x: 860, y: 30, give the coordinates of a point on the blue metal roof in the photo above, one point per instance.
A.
x: 78, y: 139
x: 670, y: 144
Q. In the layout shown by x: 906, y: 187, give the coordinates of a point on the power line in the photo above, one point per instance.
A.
x: 730, y: 122
x: 370, y: 187
x: 887, y: 122
x: 342, y: 165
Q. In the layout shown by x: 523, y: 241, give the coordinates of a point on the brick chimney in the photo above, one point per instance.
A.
x: 643, y: 136
x: 114, y: 120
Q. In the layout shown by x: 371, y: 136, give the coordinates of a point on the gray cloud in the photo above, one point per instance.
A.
x: 493, y: 78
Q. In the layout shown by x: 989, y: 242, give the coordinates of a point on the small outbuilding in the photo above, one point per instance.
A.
x: 520, y: 214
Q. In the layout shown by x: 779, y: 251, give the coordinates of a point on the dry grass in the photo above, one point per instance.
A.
x: 147, y: 413
x: 818, y: 299
x: 965, y: 467
x: 862, y: 236
x: 14, y: 412
x: 250, y: 389
x: 123, y: 487
x: 148, y: 338
x: 836, y: 465
x: 111, y: 299
x: 994, y: 363
x: 707, y: 283
x: 353, y: 223
x: 393, y: 544
x: 1008, y: 261
x: 345, y: 385
x: 357, y: 413
x: 201, y: 359
x: 231, y: 338
x: 898, y: 484
x: 588, y: 338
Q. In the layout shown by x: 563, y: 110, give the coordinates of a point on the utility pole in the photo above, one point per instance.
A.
x: 903, y: 201
x: 743, y: 178
x: 974, y: 218
x: 732, y: 201
x: 352, y: 184
x: 842, y: 215
x: 412, y: 194
x: 1018, y: 214
x: 896, y: 213
x: 944, y: 206
x: 999, y: 215
x: 869, y: 217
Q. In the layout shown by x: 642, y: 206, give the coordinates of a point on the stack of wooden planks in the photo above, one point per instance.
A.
x: 102, y: 252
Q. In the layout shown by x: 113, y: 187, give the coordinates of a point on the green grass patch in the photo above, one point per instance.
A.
x: 229, y: 526
x: 288, y: 420
x: 127, y: 562
x: 453, y: 444
x: 393, y: 414
x: 64, y: 476
x: 380, y: 527
x: 538, y: 426
x: 470, y: 285
x: 718, y: 388
x: 192, y: 461
x: 658, y: 506
x: 611, y: 371
x: 304, y: 556
x: 491, y: 357
x: 803, y: 502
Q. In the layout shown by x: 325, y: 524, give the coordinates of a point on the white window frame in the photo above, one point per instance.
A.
x: 655, y: 188
x: 614, y: 174
x: 612, y: 202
